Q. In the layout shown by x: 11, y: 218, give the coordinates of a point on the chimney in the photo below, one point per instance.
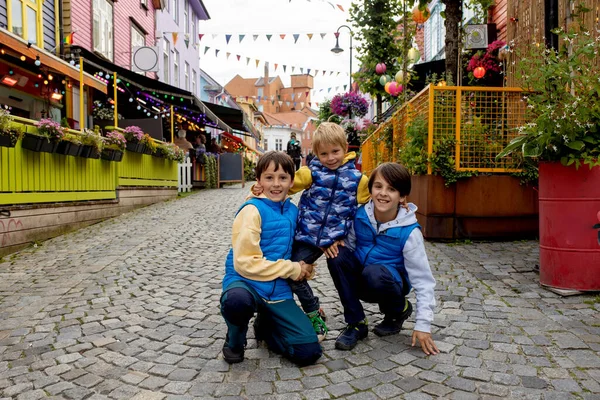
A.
x: 266, y: 88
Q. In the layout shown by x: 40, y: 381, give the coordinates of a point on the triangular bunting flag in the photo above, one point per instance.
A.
x: 301, y: 104
x: 310, y: 35
x: 301, y: 70
x: 293, y: 95
x: 309, y: 104
x: 272, y: 97
x: 254, y: 37
x: 287, y: 103
x: 276, y: 65
x: 282, y: 36
x: 269, y: 37
x: 280, y: 102
x: 323, y: 35
x: 259, y: 98
x: 257, y: 62
x: 187, y: 42
x: 306, y: 93
x: 278, y: 97
x: 293, y: 68
x: 227, y: 56
x: 328, y: 90
x: 345, y: 86
x: 247, y: 60
x: 296, y: 36
x: 227, y: 37
x: 323, y: 72
x: 338, y: 74
x: 330, y: 73
x: 217, y: 52
x: 175, y: 34
x: 238, y: 57
x: 308, y: 71
x: 272, y: 102
x: 241, y: 37
x: 340, y: 7
x: 206, y: 48
x: 200, y: 36
x: 284, y: 69
x: 316, y: 72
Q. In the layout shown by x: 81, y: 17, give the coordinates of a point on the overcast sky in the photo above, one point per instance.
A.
x: 276, y: 17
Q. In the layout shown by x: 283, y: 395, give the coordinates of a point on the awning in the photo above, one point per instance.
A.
x: 240, y: 141
x: 231, y: 116
x: 8, y: 39
x: 151, y: 85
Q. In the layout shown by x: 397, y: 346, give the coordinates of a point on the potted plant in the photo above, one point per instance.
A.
x: 70, y: 145
x: 9, y: 134
x: 563, y: 134
x: 92, y: 144
x: 349, y: 104
x: 134, y: 135
x: 49, y: 134
x: 114, y: 146
x: 150, y: 145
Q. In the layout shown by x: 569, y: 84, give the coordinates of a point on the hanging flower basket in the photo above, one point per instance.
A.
x: 38, y: 143
x: 68, y: 148
x: 111, y: 155
x: 350, y: 103
x: 135, y: 147
x: 89, y: 151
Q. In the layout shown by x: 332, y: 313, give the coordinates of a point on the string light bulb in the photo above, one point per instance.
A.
x: 37, y: 61
x: 23, y: 58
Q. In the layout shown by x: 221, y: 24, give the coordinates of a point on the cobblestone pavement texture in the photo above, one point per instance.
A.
x: 128, y: 308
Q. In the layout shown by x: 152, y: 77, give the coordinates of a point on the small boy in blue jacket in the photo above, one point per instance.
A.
x: 388, y: 259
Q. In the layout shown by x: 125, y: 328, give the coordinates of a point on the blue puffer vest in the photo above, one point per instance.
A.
x: 384, y: 248
x: 327, y: 208
x: 278, y: 222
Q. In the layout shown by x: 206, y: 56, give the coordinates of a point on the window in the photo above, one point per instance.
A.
x: 278, y: 144
x: 186, y: 15
x: 435, y: 31
x: 194, y: 79
x: 187, y: 76
x: 194, y: 34
x: 176, y: 69
x: 266, y: 144
x: 260, y: 92
x: 166, y: 61
x: 175, y: 10
x: 137, y: 39
x: 24, y: 21
x: 103, y: 28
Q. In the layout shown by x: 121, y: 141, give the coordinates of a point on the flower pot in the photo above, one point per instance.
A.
x: 68, y: 148
x: 38, y: 143
x: 147, y: 150
x: 89, y: 152
x: 108, y: 154
x: 6, y: 141
x: 569, y: 210
x: 118, y: 157
x: 135, y: 147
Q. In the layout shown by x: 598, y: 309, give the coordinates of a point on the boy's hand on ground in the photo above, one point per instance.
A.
x: 426, y: 342
x: 332, y: 251
x: 257, y: 189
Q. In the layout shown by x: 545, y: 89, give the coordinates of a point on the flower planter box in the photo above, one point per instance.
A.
x: 147, y: 150
x: 38, y: 143
x: 481, y: 207
x: 68, y: 148
x: 569, y: 240
x: 108, y: 155
x: 89, y: 152
x: 6, y: 141
x: 118, y: 157
x: 135, y: 147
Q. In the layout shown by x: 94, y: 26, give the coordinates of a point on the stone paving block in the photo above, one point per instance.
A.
x: 339, y: 389
x: 32, y: 395
x: 17, y: 389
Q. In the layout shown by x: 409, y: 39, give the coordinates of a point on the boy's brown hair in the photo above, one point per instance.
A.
x: 329, y: 133
x: 396, y: 175
x: 280, y: 159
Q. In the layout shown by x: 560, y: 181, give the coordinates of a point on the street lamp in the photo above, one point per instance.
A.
x: 337, y: 49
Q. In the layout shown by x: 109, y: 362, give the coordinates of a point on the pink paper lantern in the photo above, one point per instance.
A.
x: 380, y: 68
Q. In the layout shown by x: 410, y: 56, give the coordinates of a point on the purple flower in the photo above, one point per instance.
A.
x: 349, y: 103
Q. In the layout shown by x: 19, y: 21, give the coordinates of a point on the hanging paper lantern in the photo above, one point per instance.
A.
x: 384, y: 79
x: 387, y: 87
x: 400, y: 78
x: 420, y: 16
x: 479, y: 72
x: 413, y: 55
x: 380, y: 68
x: 393, y: 89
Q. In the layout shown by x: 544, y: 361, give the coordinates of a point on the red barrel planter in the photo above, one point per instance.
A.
x: 569, y: 243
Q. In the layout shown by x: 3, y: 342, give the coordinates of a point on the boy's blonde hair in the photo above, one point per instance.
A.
x: 329, y: 133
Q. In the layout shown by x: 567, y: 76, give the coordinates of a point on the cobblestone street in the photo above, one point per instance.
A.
x: 128, y: 308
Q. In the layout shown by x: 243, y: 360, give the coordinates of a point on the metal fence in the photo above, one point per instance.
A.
x: 475, y: 122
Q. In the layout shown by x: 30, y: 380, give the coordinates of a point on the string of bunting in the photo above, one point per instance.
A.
x: 268, y: 36
x: 294, y: 98
x: 284, y: 67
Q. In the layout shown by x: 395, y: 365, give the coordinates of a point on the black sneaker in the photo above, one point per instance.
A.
x: 350, y: 336
x: 392, y: 325
x: 232, y: 356
x: 258, y: 328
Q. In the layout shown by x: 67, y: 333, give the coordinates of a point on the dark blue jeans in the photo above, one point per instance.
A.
x: 309, y: 254
x: 371, y: 283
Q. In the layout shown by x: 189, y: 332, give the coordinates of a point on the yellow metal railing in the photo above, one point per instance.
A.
x: 478, y: 121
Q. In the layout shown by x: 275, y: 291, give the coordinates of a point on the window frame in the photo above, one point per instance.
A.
x: 278, y: 144
x: 167, y: 53
x: 186, y: 17
x: 111, y: 37
x: 186, y: 76
x: 38, y: 7
x: 176, y: 71
x: 194, y: 82
x: 175, y: 11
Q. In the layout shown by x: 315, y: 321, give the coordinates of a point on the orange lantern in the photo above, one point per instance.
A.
x: 479, y: 72
x: 420, y: 16
x: 387, y: 87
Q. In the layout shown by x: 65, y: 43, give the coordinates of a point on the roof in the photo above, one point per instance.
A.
x: 261, y: 81
x: 295, y: 119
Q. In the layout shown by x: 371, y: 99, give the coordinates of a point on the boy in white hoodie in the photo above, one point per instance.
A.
x: 382, y: 259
